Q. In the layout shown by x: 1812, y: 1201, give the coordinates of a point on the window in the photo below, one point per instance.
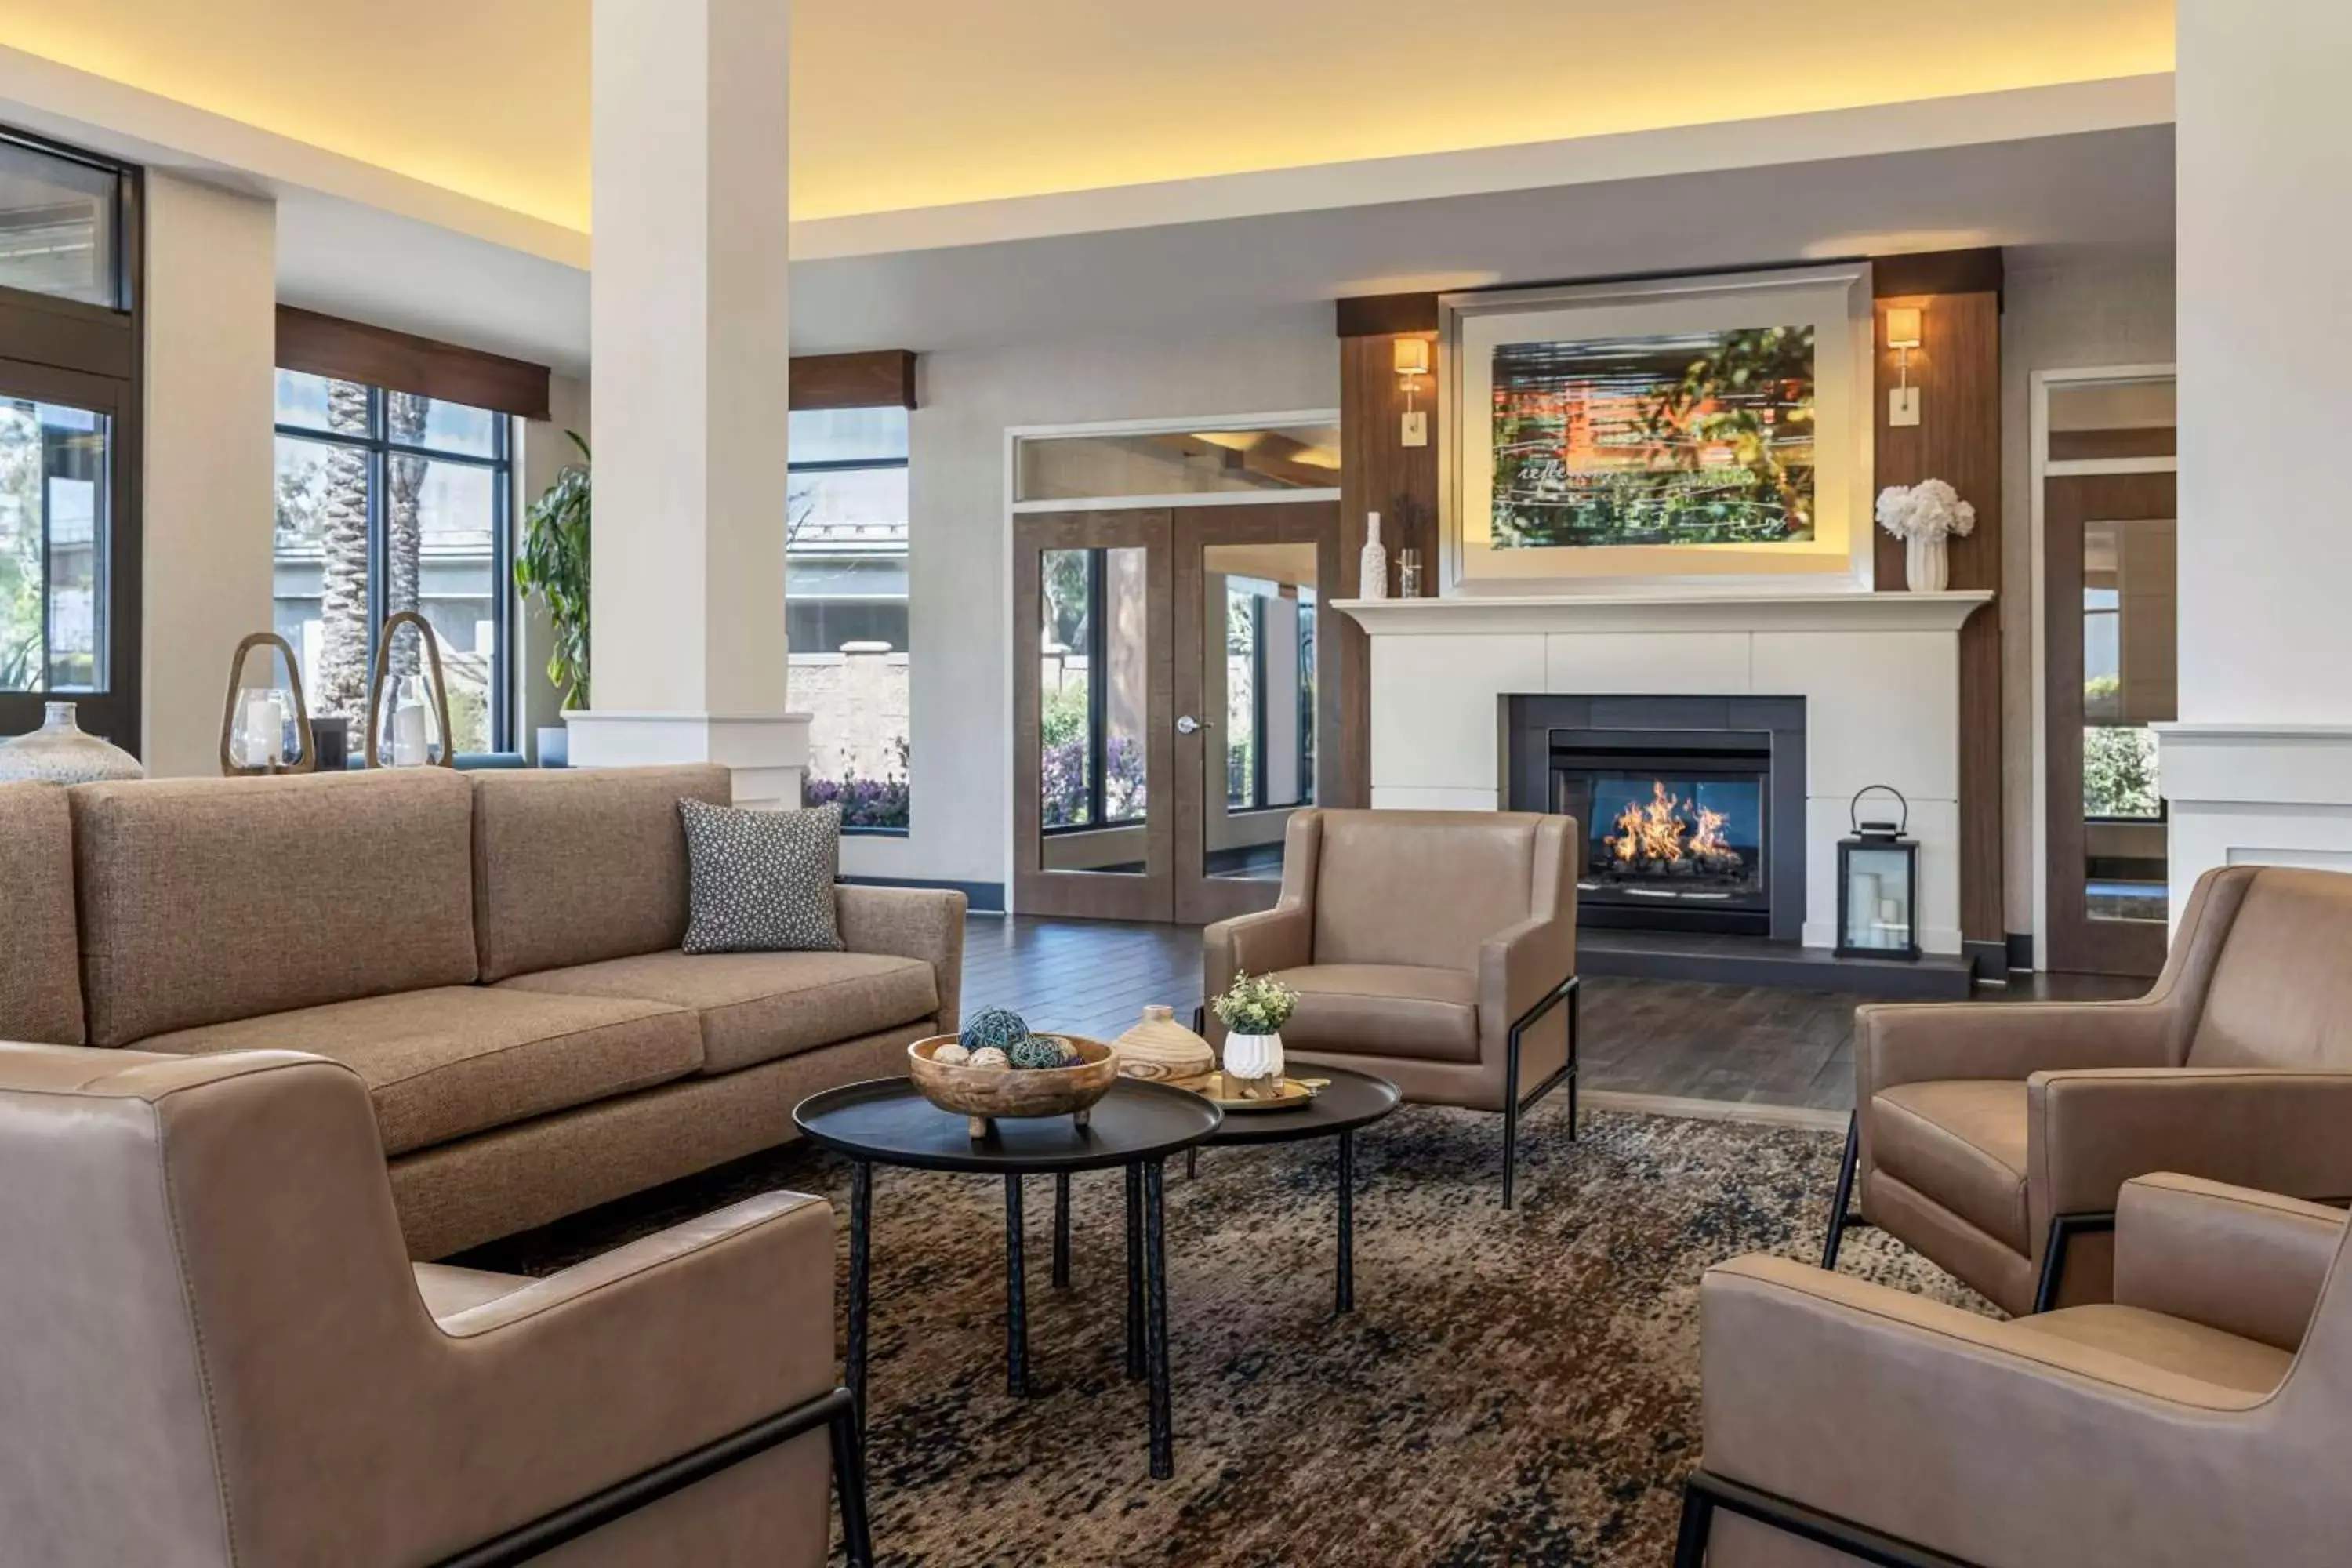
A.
x: 388, y: 502
x: 61, y: 220
x: 845, y: 608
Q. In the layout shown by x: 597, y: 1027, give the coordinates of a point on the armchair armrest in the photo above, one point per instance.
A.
x: 1926, y: 1042
x: 607, y: 1369
x: 1980, y: 1439
x: 2248, y: 1263
x: 2089, y: 1132
x: 910, y: 923
x: 1280, y: 938
x: 1519, y: 966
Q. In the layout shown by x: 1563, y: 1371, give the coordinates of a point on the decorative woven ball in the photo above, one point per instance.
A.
x: 1071, y: 1055
x: 988, y: 1057
x: 997, y: 1027
x: 951, y: 1054
x: 1037, y: 1051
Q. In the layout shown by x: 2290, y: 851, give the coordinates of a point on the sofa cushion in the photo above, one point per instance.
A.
x: 1384, y: 1010
x: 757, y: 1006
x: 1962, y: 1143
x: 206, y: 900
x: 40, y: 956
x: 574, y: 865
x: 2172, y: 1345
x: 446, y: 1063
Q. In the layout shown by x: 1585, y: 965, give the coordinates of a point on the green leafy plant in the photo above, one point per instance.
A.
x: 1255, y: 1005
x: 552, y: 566
x: 2119, y: 772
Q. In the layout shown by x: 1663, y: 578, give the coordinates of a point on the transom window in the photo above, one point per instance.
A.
x: 386, y: 501
x: 845, y: 609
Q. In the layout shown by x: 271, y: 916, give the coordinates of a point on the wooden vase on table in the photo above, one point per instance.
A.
x: 1160, y: 1049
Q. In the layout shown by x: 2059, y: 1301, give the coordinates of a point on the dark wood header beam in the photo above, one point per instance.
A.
x: 881, y: 378
x: 1938, y: 272
x: 352, y: 351
x: 1384, y: 315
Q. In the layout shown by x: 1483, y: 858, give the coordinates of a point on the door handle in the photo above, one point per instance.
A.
x: 1189, y: 725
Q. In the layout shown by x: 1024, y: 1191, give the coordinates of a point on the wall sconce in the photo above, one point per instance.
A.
x: 1411, y: 364
x: 1905, y: 332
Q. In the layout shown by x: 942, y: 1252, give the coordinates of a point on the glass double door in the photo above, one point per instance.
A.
x: 1170, y: 710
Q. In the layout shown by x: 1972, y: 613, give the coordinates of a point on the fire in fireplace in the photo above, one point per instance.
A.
x: 1688, y: 840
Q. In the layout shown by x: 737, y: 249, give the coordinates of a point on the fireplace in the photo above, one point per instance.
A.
x: 1690, y: 809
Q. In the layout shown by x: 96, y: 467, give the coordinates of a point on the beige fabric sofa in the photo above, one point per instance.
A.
x: 496, y: 955
x: 213, y: 1350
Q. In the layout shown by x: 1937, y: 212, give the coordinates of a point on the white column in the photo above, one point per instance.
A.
x: 211, y: 322
x: 691, y: 351
x: 2259, y: 767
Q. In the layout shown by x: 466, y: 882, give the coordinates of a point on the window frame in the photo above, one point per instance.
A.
x: 499, y: 464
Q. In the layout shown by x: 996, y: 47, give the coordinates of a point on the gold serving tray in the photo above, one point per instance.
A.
x: 1218, y: 1090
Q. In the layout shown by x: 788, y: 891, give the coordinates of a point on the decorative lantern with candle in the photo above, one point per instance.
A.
x: 265, y: 727
x: 415, y: 731
x: 1879, y: 884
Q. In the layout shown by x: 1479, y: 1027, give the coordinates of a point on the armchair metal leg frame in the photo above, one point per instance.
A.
x: 837, y: 1412
x: 1703, y: 1493
x: 1514, y: 1106
x: 1842, y: 1216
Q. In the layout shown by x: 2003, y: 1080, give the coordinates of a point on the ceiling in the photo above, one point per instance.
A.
x: 918, y: 103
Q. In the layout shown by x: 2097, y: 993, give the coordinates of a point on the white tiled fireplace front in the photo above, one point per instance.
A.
x: 1879, y: 674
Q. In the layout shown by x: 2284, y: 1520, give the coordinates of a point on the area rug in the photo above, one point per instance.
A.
x: 1516, y: 1388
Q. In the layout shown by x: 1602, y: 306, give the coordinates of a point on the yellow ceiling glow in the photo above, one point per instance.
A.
x: 923, y: 102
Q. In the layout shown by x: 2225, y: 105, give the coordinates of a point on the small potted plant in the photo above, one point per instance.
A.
x: 1253, y: 1009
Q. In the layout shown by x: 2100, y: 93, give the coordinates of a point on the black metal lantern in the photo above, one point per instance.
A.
x: 1879, y: 884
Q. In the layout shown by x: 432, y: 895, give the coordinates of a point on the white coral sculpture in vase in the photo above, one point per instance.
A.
x: 1924, y: 516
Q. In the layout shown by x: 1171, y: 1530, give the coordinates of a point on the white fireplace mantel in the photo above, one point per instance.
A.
x: 1852, y: 611
x: 1879, y: 674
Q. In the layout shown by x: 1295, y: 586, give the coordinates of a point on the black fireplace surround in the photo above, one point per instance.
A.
x: 1691, y: 809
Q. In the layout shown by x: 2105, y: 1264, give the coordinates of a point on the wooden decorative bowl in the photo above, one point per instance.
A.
x: 982, y: 1094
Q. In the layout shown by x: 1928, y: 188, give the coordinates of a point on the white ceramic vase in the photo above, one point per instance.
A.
x: 1254, y: 1058
x: 61, y: 753
x: 1927, y: 563
x: 1372, y: 563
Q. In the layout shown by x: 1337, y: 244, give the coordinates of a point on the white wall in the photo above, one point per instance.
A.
x: 2264, y: 163
x: 960, y: 534
x: 211, y: 310
x: 2064, y: 309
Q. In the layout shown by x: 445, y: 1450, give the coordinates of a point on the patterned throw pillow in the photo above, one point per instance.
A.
x: 760, y: 882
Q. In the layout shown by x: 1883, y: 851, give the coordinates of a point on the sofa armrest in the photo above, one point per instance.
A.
x: 1977, y: 1438
x: 1280, y: 938
x: 2089, y: 1132
x: 2248, y: 1263
x: 1928, y: 1042
x: 582, y: 1379
x: 910, y: 923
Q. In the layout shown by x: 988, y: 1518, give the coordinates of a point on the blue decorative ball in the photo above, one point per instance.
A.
x: 998, y: 1026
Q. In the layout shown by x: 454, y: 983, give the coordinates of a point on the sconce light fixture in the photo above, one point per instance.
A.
x: 1411, y: 364
x: 1905, y: 332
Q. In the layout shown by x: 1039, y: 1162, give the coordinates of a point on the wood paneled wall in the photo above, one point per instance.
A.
x: 1957, y: 369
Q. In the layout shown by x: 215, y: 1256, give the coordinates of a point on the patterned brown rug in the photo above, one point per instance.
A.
x: 1513, y: 1388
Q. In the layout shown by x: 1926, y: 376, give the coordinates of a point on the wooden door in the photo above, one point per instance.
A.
x: 1256, y: 732
x: 2110, y: 585
x: 1092, y: 769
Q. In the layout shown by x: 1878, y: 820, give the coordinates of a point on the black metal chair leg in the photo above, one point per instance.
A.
x: 1698, y: 1522
x: 1839, y: 1203
x: 2063, y: 1228
x: 1061, y: 1230
x: 1575, y: 1021
x: 849, y: 1481
x: 1016, y: 1296
x: 1510, y: 1125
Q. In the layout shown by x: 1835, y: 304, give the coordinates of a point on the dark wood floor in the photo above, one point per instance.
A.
x: 1748, y: 1045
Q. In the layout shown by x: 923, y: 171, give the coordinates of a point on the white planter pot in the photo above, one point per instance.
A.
x: 1253, y: 1058
x: 1927, y: 563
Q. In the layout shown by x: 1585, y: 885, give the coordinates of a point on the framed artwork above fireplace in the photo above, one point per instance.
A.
x: 1659, y: 435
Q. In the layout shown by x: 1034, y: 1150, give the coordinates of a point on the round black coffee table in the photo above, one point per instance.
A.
x: 1137, y: 1125
x: 1350, y: 1101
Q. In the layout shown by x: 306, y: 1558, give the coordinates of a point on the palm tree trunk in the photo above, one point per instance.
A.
x: 404, y: 535
x: 344, y: 537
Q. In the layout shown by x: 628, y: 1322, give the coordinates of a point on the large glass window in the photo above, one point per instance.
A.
x: 388, y: 502
x: 52, y: 506
x: 61, y: 226
x: 845, y: 608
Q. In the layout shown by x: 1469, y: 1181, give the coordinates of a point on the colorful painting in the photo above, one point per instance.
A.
x: 1687, y: 438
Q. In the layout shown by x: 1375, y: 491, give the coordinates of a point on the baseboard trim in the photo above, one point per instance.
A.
x: 1714, y: 1109
x: 985, y: 897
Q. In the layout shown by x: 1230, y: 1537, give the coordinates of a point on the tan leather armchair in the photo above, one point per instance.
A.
x: 1430, y: 948
x: 1994, y: 1139
x: 2199, y: 1419
x: 214, y: 1350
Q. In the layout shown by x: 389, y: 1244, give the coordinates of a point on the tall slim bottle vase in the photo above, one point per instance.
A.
x: 1372, y: 570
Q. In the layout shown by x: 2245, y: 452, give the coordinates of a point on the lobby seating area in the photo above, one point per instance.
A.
x: 1320, y: 784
